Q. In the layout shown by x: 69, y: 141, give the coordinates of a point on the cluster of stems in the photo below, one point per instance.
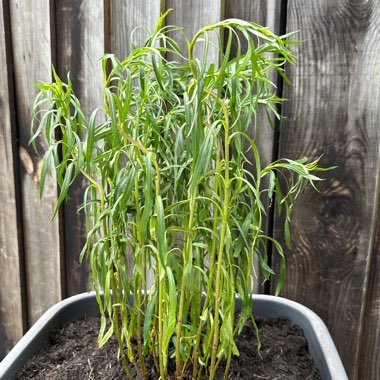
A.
x: 175, y: 198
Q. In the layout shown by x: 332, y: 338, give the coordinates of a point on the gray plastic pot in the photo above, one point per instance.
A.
x: 321, y: 346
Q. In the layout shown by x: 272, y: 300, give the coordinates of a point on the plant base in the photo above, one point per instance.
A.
x: 73, y: 353
x: 320, y: 344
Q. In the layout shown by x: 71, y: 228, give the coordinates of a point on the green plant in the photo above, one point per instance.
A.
x: 172, y: 192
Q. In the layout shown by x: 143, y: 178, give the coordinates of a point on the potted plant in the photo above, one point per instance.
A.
x: 174, y: 204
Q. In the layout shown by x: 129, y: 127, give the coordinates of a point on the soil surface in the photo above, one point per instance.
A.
x: 74, y: 354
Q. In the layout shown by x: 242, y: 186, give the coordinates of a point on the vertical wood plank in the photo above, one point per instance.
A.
x: 267, y: 13
x: 11, y: 322
x: 32, y: 62
x: 125, y: 17
x: 80, y: 45
x: 369, y: 359
x: 334, y: 110
x: 193, y: 15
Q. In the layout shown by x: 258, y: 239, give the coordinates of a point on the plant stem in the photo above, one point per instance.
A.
x: 218, y: 281
x: 187, y: 257
x: 114, y: 290
x: 138, y: 335
x: 139, y: 287
x: 160, y: 330
x: 161, y: 285
x: 212, y: 262
x: 229, y: 352
x: 143, y: 149
x: 117, y: 331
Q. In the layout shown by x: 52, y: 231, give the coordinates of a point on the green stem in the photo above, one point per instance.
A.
x: 187, y: 257
x: 161, y: 285
x: 212, y: 262
x: 114, y: 290
x: 117, y: 331
x: 232, y: 315
x: 143, y: 149
x: 218, y: 281
x: 160, y: 330
x: 153, y: 350
x: 139, y: 289
x: 225, y: 206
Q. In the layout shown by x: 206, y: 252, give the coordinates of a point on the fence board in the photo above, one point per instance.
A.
x: 266, y: 13
x: 11, y: 323
x: 333, y: 109
x: 80, y: 45
x: 369, y: 355
x: 192, y: 15
x: 41, y: 240
x: 125, y: 17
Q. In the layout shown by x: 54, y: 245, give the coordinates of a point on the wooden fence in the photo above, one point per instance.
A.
x: 333, y: 108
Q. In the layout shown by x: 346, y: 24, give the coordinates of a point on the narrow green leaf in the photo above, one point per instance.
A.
x: 68, y: 179
x: 90, y: 141
x: 148, y: 318
x: 104, y: 338
x: 161, y: 231
x: 281, y: 277
x: 288, y: 241
x: 148, y: 196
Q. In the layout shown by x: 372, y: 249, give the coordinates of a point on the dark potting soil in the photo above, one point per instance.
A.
x: 74, y: 354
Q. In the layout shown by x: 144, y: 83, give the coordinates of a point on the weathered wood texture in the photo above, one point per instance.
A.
x: 130, y: 24
x: 41, y: 240
x: 80, y: 45
x: 369, y: 354
x: 334, y: 110
x: 266, y: 13
x: 269, y: 14
x: 192, y: 15
x: 11, y: 320
x: 369, y: 359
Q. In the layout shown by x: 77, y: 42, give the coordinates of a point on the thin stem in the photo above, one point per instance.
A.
x: 229, y: 352
x: 212, y: 262
x: 160, y: 320
x: 117, y: 331
x: 161, y: 283
x: 187, y: 257
x: 139, y: 288
x: 114, y: 290
x: 218, y: 281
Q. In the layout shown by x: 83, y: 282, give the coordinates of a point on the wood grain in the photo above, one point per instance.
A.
x: 334, y: 110
x: 193, y: 15
x: 129, y: 24
x: 125, y: 17
x: 369, y: 354
x: 80, y: 45
x: 32, y: 63
x: 268, y: 14
x: 11, y: 319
